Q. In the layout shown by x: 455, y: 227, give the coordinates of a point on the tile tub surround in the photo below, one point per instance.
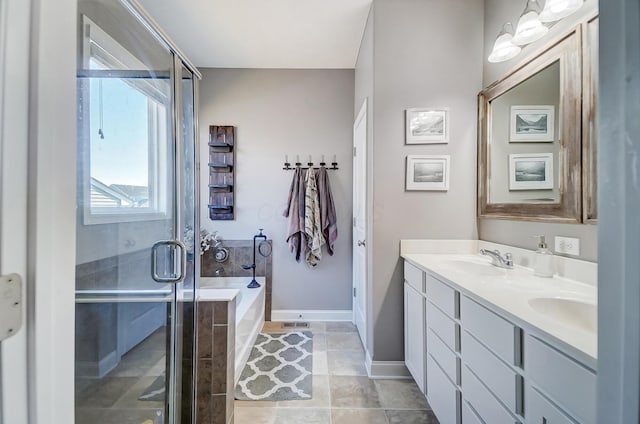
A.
x: 241, y: 253
x: 342, y: 392
x: 215, y: 359
x: 509, y: 291
x: 249, y: 311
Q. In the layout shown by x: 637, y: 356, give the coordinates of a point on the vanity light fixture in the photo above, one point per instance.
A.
x: 554, y: 10
x: 504, y: 48
x: 530, y: 28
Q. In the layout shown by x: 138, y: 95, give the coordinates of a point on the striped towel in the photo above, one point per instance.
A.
x: 312, y: 222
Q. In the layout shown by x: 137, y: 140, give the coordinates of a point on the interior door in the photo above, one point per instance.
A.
x: 360, y: 222
x: 135, y: 263
x: 14, y: 94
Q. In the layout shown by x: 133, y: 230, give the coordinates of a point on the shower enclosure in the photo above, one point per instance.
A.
x: 137, y: 233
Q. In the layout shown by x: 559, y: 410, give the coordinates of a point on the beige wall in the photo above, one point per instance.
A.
x: 517, y: 233
x: 278, y: 112
x: 419, y: 60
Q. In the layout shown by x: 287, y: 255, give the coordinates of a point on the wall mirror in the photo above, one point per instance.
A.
x: 530, y: 138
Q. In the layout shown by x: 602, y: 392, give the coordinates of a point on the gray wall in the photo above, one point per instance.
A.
x: 517, y: 233
x: 278, y: 112
x: 619, y: 198
x: 419, y: 60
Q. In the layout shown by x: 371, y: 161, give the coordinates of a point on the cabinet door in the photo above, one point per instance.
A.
x: 414, y: 334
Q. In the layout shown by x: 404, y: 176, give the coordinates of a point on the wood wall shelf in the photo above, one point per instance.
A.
x: 221, y: 173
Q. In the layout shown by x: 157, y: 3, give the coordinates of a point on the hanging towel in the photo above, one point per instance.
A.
x: 295, y: 212
x: 312, y: 226
x: 328, y: 218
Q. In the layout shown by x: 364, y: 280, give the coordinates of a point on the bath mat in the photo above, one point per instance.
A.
x: 279, y: 368
x: 155, y: 392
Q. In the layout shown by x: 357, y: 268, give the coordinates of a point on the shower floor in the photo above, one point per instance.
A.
x: 113, y: 399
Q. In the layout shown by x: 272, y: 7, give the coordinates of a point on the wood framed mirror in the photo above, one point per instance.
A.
x: 530, y: 138
x: 590, y: 122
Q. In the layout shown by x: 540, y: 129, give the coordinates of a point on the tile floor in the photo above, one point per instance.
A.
x: 342, y: 392
x: 114, y: 398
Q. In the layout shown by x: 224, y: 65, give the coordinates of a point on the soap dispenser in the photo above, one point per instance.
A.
x: 543, y: 260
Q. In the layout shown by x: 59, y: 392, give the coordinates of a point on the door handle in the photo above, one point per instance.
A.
x: 361, y: 243
x: 176, y: 277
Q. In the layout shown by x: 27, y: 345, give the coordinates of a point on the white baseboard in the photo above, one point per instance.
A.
x: 311, y: 315
x: 381, y: 370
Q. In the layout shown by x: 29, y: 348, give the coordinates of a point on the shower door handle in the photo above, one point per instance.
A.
x: 178, y: 262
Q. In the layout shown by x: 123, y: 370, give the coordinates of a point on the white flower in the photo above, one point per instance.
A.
x: 207, y: 239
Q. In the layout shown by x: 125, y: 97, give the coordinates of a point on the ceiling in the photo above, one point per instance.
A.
x: 307, y: 34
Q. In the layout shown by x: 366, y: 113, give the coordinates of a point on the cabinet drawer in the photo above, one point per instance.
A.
x: 498, y: 334
x: 505, y: 384
x: 482, y: 401
x: 442, y: 395
x: 469, y: 416
x: 443, y: 356
x: 571, y: 385
x: 540, y: 410
x: 414, y: 276
x: 443, y: 326
x: 443, y: 296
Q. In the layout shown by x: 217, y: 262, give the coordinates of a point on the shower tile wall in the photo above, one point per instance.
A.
x: 241, y: 253
x: 98, y: 325
x: 215, y: 364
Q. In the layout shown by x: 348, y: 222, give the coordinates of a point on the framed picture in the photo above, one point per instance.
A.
x: 428, y: 173
x: 531, y: 171
x: 532, y: 123
x: 427, y: 126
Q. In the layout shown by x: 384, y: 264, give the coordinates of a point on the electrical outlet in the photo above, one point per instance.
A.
x: 567, y: 245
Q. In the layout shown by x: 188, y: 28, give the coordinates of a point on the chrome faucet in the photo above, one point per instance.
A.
x: 497, y: 259
x: 219, y: 271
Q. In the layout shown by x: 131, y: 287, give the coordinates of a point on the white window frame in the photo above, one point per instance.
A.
x: 100, y: 46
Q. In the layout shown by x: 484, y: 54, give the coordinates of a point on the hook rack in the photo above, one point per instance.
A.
x: 310, y: 164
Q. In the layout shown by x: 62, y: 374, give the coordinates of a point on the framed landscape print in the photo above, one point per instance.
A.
x: 531, y: 171
x: 428, y: 173
x: 532, y: 123
x: 427, y: 126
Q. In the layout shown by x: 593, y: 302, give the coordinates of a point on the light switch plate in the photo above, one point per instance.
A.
x: 567, y: 245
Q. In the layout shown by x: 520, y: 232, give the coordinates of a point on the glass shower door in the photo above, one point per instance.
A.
x: 135, y: 263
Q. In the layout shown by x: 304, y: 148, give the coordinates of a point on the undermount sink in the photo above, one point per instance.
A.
x: 574, y: 312
x: 483, y: 268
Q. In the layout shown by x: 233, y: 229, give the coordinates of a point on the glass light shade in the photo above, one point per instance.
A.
x: 529, y: 28
x: 503, y: 48
x: 554, y: 10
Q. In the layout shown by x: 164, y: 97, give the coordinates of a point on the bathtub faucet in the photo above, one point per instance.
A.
x: 219, y: 271
x: 254, y: 284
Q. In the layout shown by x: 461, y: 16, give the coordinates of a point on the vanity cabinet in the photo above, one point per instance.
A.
x: 477, y: 366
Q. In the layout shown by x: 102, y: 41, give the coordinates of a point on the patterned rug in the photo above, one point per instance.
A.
x: 279, y: 368
x: 155, y: 392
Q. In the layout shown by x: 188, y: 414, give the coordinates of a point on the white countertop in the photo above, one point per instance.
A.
x: 510, y: 292
x: 211, y: 294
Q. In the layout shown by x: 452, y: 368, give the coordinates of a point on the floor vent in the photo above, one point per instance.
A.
x: 295, y: 325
